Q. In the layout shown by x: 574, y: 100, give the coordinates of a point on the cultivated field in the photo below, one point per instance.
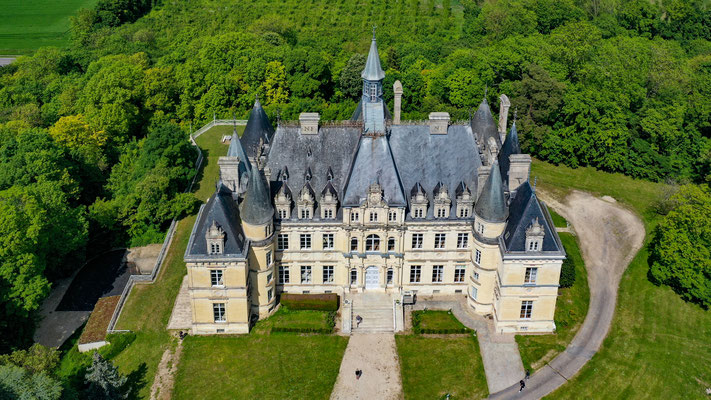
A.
x: 30, y: 24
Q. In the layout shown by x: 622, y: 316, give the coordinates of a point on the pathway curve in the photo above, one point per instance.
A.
x: 376, y: 355
x: 610, y: 236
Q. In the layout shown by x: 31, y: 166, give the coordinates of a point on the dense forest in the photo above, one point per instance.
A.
x: 94, y: 146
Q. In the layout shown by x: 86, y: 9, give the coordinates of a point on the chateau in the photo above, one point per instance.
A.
x: 375, y: 205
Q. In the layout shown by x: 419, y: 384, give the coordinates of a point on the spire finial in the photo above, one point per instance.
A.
x: 373, y: 32
x: 515, y: 113
x: 535, y: 180
x: 234, y: 127
x: 486, y: 90
x: 256, y: 97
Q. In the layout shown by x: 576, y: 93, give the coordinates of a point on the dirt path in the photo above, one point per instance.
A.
x: 165, y: 376
x: 610, y: 237
x: 376, y: 355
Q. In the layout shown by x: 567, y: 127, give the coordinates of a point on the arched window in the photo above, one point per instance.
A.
x: 372, y: 243
x: 391, y: 244
x: 354, y: 244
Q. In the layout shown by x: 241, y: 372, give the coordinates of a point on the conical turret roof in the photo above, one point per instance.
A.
x: 258, y: 127
x: 491, y: 205
x: 257, y: 206
x: 483, y: 124
x: 236, y: 150
x: 373, y: 71
x: 510, y: 146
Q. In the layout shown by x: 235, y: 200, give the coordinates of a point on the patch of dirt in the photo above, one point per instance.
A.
x: 162, y: 388
x: 144, y: 258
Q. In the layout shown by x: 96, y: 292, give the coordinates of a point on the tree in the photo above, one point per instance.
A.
x: 104, y: 380
x: 34, y: 360
x: 17, y: 383
x: 680, y: 251
x: 275, y: 83
x: 350, y: 82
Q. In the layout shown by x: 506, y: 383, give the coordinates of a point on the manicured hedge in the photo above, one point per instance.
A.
x: 319, y: 302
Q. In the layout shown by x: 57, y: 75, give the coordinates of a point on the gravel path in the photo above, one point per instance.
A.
x: 376, y: 355
x: 610, y: 236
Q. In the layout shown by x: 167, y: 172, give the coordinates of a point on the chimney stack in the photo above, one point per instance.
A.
x: 439, y: 121
x: 397, y: 89
x: 483, y: 173
x: 504, y: 105
x: 309, y: 123
x: 519, y: 169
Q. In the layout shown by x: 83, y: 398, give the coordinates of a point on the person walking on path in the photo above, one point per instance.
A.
x: 523, y: 385
x: 359, y: 319
x: 528, y: 374
x: 358, y: 373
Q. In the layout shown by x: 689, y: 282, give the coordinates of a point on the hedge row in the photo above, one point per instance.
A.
x: 302, y: 330
x: 443, y: 331
x: 319, y: 302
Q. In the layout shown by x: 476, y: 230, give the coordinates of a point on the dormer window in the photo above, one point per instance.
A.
x: 215, y: 237
x: 282, y: 201
x: 354, y: 216
x: 534, y: 236
x: 306, y: 202
x: 441, y: 213
x: 305, y: 213
x: 329, y: 200
x: 327, y: 213
x: 419, y: 213
x: 465, y: 201
x: 392, y: 216
x: 373, y: 216
x: 441, y: 200
x: 418, y: 198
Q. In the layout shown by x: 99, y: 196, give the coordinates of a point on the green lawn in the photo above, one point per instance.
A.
x: 570, y: 312
x: 432, y: 367
x: 431, y: 319
x: 30, y: 24
x: 147, y: 309
x: 259, y: 366
x: 658, y: 345
x: 558, y: 220
x: 302, y: 319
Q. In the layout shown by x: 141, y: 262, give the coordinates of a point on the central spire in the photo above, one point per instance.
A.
x: 373, y: 71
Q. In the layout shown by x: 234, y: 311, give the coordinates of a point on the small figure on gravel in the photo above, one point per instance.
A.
x: 359, y: 319
x: 528, y: 374
x: 358, y: 373
x: 523, y: 385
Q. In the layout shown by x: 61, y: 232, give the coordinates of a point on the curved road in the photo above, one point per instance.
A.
x: 610, y: 237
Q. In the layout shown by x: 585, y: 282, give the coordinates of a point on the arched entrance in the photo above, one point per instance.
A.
x: 372, y: 278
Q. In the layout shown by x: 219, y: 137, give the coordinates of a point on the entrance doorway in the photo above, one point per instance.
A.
x: 372, y: 278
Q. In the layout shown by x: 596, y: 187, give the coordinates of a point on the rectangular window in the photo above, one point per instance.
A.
x: 474, y: 291
x: 282, y: 213
x: 373, y: 217
x: 462, y: 240
x: 328, y: 241
x: 459, y: 272
x: 464, y: 213
x: 419, y: 213
x: 354, y: 244
x: 269, y: 257
x: 218, y: 312
x: 283, y: 241
x: 415, y: 271
x: 530, y: 277
x: 533, y: 245
x: 328, y: 213
x: 391, y: 244
x: 417, y: 239
x: 389, y: 276
x: 354, y: 216
x: 305, y: 213
x: 480, y: 228
x: 270, y: 277
x: 437, y: 273
x: 216, y: 277
x: 270, y: 293
x: 392, y: 216
x: 283, y: 275
x: 439, y: 240
x: 477, y: 256
x: 475, y: 275
x: 305, y: 241
x: 440, y: 213
x: 526, y: 309
x: 354, y: 276
x: 328, y: 274
x: 305, y: 274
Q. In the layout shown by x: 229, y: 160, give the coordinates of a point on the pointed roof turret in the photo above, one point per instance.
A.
x: 491, y: 205
x: 510, y: 146
x: 483, y: 125
x: 257, y: 206
x: 258, y: 127
x: 373, y: 71
x: 236, y: 150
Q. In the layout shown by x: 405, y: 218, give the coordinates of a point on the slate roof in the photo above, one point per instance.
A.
x: 484, y: 126
x: 524, y: 208
x: 333, y: 147
x: 491, y: 205
x: 358, y: 112
x: 373, y: 71
x: 257, y: 206
x: 236, y: 150
x: 258, y: 127
x: 510, y: 146
x: 220, y: 208
x: 373, y: 163
x: 428, y: 159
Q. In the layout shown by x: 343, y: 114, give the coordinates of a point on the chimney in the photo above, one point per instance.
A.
x: 482, y: 175
x: 309, y: 123
x: 229, y: 171
x: 439, y: 121
x: 397, y: 89
x: 519, y: 169
x: 504, y: 105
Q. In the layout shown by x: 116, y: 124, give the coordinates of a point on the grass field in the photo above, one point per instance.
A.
x: 301, y: 319
x: 571, y: 309
x: 432, y: 367
x: 431, y: 319
x: 30, y: 24
x: 658, y: 345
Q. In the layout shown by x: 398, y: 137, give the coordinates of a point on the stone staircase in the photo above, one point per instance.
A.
x: 376, y: 309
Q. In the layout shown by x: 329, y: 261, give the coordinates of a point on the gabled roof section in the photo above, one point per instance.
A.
x: 461, y: 189
x: 258, y: 127
x: 524, y: 209
x: 491, y: 205
x: 373, y: 71
x: 257, y: 205
x: 417, y: 189
x: 222, y: 210
x: 329, y: 189
x: 510, y: 146
x: 236, y: 150
x: 373, y: 163
x: 483, y: 124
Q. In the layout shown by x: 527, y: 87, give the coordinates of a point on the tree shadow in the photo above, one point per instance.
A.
x: 201, y: 171
x: 135, y: 382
